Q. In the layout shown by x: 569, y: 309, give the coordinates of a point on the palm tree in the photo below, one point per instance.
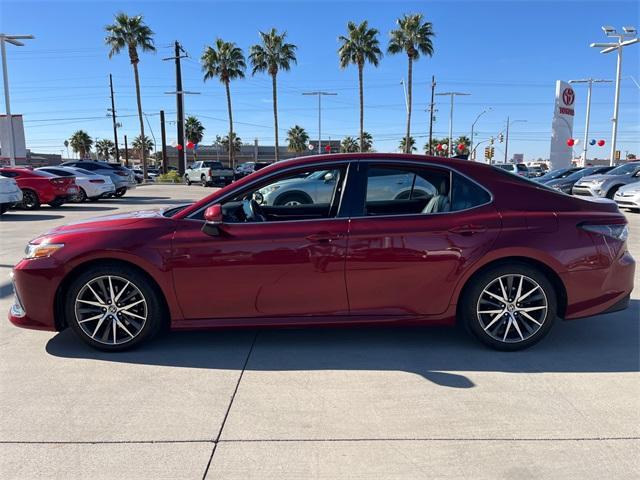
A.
x: 434, y: 147
x: 131, y: 33
x: 81, y: 143
x: 105, y: 148
x: 413, y: 36
x: 461, y: 140
x: 298, y: 139
x: 237, y: 143
x: 226, y: 62
x: 194, y: 131
x: 361, y: 45
x: 403, y: 145
x: 138, y: 145
x: 66, y: 145
x: 273, y: 55
x: 366, y: 142
x: 348, y: 145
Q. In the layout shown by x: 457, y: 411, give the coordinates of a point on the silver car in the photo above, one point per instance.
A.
x: 607, y: 185
x: 628, y: 196
x: 318, y: 187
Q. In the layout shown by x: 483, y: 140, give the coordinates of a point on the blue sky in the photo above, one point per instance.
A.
x: 507, y: 54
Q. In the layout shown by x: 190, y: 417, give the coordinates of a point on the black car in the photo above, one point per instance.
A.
x: 565, y: 184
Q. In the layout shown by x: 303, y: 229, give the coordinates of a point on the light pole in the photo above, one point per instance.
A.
x: 320, y: 95
x: 13, y: 40
x: 589, y: 82
x: 406, y: 101
x: 472, y: 157
x: 451, y: 95
x: 630, y: 33
x: 506, y: 140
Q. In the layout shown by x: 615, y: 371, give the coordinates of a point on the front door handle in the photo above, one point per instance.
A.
x: 323, y: 237
x: 468, y: 229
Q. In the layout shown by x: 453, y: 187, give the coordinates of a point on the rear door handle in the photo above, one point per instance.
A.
x: 468, y: 230
x: 323, y: 237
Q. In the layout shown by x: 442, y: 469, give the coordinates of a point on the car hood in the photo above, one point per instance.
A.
x: 558, y: 181
x: 630, y: 188
x: 600, y: 176
x: 107, y: 222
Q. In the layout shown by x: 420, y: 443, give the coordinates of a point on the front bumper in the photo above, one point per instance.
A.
x: 627, y: 201
x: 587, y: 190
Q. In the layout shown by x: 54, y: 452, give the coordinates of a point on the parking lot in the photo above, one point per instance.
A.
x: 313, y: 403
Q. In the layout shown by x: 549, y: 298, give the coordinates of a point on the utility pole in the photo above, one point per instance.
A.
x: 13, y: 40
x: 163, y: 136
x: 431, y: 112
x: 630, y: 33
x: 179, y: 107
x: 589, y: 82
x: 320, y: 95
x: 126, y: 152
x: 506, y: 144
x: 113, y: 118
x: 451, y: 95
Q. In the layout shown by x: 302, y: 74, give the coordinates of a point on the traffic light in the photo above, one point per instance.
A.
x: 487, y: 153
x: 617, y: 155
x: 501, y: 138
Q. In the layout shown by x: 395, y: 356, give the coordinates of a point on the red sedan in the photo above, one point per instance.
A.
x: 376, y: 239
x: 41, y: 187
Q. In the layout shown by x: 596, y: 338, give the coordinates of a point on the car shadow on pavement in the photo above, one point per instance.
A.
x: 608, y: 343
x: 21, y: 217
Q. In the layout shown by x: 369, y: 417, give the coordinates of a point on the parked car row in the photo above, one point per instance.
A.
x: 621, y: 183
x: 75, y: 181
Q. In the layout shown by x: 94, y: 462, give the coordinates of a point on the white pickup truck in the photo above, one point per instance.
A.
x: 208, y: 173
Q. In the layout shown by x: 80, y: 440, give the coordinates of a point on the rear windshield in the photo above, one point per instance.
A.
x: 85, y: 172
x: 521, y: 167
x: 625, y: 169
x: 212, y: 164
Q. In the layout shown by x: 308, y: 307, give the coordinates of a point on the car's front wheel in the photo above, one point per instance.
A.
x: 509, y: 307
x: 113, y: 308
x: 30, y: 200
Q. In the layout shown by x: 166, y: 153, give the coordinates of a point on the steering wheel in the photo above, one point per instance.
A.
x: 251, y: 211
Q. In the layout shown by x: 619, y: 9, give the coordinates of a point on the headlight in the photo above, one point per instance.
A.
x: 41, y: 250
x: 269, y: 189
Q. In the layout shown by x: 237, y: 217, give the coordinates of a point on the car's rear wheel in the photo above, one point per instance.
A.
x: 81, y: 196
x: 203, y: 180
x: 30, y: 200
x: 113, y: 308
x: 120, y: 192
x: 509, y: 307
x: 292, y: 199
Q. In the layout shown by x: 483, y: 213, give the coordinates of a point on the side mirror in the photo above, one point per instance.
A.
x: 213, y: 214
x: 329, y: 177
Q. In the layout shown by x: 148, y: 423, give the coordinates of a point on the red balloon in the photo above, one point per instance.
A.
x: 179, y: 147
x: 190, y: 145
x: 327, y: 148
x: 461, y: 147
x: 570, y: 142
x: 600, y: 143
x: 439, y: 147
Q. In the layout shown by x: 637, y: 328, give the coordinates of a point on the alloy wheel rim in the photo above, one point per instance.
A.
x: 29, y: 199
x: 111, y: 310
x: 512, y: 308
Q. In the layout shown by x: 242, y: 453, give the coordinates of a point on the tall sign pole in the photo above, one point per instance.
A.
x: 589, y: 82
x: 320, y: 95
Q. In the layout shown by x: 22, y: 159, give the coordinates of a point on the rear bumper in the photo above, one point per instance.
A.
x: 602, y: 290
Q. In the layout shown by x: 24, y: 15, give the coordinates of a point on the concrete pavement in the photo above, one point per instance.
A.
x: 314, y: 403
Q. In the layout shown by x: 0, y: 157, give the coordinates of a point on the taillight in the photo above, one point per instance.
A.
x: 617, y: 231
x: 96, y: 181
x: 58, y: 181
x: 209, y: 172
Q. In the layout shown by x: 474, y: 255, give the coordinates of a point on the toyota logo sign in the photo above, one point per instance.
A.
x: 568, y: 96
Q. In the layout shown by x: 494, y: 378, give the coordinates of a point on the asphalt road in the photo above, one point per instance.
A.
x: 314, y: 403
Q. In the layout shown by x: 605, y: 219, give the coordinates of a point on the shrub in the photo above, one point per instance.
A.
x: 171, y: 177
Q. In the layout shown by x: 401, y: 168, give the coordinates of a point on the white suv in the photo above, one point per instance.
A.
x: 10, y: 193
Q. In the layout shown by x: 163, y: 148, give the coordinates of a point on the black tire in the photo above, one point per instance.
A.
x: 120, y: 192
x: 612, y: 192
x: 155, y: 311
x: 470, y: 304
x: 186, y: 179
x: 3, y: 208
x: 58, y: 202
x: 293, y: 198
x: 81, y: 196
x: 203, y: 180
x: 30, y: 200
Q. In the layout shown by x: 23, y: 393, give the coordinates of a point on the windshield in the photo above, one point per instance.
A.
x: 582, y: 173
x: 317, y: 175
x: 626, y: 169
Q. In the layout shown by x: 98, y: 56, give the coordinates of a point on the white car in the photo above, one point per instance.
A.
x: 91, y: 185
x: 628, y: 196
x: 10, y: 194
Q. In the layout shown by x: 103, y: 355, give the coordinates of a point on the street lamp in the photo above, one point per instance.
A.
x: 451, y: 95
x: 13, y: 40
x: 472, y: 157
x: 320, y: 95
x: 506, y: 141
x: 628, y: 37
x: 590, y: 82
